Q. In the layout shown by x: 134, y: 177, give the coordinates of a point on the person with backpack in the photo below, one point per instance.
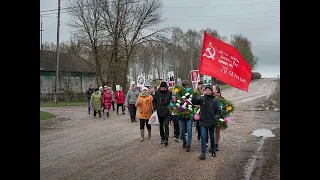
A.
x: 162, y: 99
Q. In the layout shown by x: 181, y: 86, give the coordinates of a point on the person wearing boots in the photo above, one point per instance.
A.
x: 145, y: 109
x: 96, y: 102
x: 162, y: 100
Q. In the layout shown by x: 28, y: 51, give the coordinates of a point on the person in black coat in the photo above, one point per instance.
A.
x: 210, y: 113
x: 161, y: 100
x: 88, y: 95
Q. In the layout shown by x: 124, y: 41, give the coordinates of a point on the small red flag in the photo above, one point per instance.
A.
x: 224, y: 62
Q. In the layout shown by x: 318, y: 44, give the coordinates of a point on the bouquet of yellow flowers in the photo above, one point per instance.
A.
x: 181, y: 102
x: 227, y: 107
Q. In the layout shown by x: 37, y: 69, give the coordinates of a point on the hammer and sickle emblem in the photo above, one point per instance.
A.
x: 210, y: 54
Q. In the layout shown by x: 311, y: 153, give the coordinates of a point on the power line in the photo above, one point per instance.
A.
x: 267, y: 27
x: 224, y: 5
x: 88, y: 5
x: 221, y: 19
x: 223, y: 15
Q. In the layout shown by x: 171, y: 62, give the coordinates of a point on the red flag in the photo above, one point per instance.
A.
x: 222, y: 61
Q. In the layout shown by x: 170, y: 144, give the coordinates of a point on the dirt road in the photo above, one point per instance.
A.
x: 109, y: 148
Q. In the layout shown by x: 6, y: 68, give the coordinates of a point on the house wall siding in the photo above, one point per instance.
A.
x: 75, y: 82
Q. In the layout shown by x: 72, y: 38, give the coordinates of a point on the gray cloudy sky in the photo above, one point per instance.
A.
x: 259, y: 20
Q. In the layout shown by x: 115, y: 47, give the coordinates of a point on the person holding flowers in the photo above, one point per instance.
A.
x: 175, y: 120
x: 210, y: 113
x: 186, y: 121
x: 226, y: 108
x: 182, y: 107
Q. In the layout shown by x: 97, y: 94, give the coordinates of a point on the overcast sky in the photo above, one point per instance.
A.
x: 259, y: 20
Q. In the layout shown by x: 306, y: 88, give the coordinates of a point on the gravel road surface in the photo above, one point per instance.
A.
x: 108, y: 148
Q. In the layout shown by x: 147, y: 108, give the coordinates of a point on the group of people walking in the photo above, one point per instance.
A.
x: 149, y: 100
x: 102, y: 99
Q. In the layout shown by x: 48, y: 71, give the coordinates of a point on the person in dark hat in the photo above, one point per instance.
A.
x: 210, y: 113
x: 162, y: 99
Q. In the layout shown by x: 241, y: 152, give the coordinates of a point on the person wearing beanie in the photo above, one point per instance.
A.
x: 162, y: 99
x: 197, y: 122
x: 145, y: 110
x: 210, y: 112
x: 164, y: 84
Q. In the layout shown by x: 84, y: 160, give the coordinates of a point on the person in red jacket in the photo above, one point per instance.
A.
x: 120, y: 98
x: 107, y: 99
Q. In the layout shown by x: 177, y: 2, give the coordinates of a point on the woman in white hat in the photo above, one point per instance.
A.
x: 145, y: 109
x: 107, y: 99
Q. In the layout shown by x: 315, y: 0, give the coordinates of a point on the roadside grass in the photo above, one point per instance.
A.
x: 59, y: 104
x: 46, y: 115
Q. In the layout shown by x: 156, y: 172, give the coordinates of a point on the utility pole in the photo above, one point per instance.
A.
x: 57, y: 51
x: 41, y: 47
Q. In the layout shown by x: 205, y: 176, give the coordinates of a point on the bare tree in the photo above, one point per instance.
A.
x: 145, y: 59
x: 64, y: 47
x: 192, y: 42
x: 158, y: 51
x: 243, y: 45
x: 141, y: 26
x: 114, y: 35
x: 86, y: 20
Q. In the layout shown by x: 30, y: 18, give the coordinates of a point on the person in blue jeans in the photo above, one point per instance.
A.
x: 210, y: 113
x: 182, y: 124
